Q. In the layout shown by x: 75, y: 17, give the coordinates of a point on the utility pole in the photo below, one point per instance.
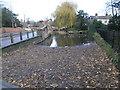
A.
x: 113, y: 23
x: 12, y: 16
x: 24, y: 22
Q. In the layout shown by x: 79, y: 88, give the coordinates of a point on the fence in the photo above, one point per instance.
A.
x: 13, y: 38
x: 22, y: 36
x: 112, y: 37
x: 23, y: 39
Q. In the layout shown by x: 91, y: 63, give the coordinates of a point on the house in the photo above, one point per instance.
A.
x: 44, y: 22
x: 104, y: 19
x: 119, y: 10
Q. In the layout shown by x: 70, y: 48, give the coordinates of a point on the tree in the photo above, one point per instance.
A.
x: 114, y: 23
x: 113, y: 5
x: 97, y: 24
x: 40, y: 21
x: 81, y: 20
x: 8, y: 18
x: 65, y: 14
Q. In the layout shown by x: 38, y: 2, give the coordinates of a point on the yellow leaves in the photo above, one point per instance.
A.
x: 21, y: 84
x: 35, y: 74
x: 13, y: 81
x: 109, y: 69
x: 54, y: 85
x: 62, y: 74
x: 65, y: 14
x: 46, y: 80
x: 79, y: 77
x: 27, y: 86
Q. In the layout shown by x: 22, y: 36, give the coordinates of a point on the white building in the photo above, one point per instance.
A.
x: 104, y: 19
x: 119, y: 10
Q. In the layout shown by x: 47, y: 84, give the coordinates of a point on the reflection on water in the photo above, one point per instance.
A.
x: 67, y: 40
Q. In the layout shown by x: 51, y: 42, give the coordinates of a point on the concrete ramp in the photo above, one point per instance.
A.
x: 4, y: 84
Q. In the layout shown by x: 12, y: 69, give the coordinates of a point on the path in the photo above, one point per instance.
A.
x: 37, y: 66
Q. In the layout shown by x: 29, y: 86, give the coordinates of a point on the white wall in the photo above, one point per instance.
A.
x: 104, y: 21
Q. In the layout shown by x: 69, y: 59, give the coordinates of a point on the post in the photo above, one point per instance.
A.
x: 11, y: 38
x: 113, y: 39
x: 37, y: 32
x: 118, y: 40
x: 20, y: 35
x: 33, y: 33
x: 27, y: 34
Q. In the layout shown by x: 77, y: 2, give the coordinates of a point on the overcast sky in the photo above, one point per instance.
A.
x: 42, y: 9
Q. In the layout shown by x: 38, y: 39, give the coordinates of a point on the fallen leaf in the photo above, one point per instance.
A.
x: 54, y: 85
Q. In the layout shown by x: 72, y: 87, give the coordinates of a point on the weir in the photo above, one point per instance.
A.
x: 54, y: 42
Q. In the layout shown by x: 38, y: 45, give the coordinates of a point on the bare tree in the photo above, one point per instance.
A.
x: 113, y: 6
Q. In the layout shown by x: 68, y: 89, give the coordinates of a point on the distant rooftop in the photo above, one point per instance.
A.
x: 101, y: 17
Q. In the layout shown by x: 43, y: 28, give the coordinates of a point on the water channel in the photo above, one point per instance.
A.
x: 66, y: 40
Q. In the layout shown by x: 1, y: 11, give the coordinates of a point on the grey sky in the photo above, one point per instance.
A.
x: 41, y: 9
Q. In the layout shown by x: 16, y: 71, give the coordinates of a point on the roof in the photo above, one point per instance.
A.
x: 103, y: 17
x: 100, y: 17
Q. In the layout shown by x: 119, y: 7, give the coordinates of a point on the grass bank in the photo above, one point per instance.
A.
x: 112, y: 55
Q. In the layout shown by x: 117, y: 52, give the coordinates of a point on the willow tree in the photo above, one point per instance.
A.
x: 65, y: 14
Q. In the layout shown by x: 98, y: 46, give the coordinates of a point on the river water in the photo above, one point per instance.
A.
x: 66, y: 40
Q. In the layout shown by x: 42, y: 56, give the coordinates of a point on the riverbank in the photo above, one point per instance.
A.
x: 111, y: 52
x: 80, y: 66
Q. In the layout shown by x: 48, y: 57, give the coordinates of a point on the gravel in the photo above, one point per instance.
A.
x: 62, y: 67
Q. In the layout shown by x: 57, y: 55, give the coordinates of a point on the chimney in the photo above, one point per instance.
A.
x: 96, y: 14
x: 106, y: 14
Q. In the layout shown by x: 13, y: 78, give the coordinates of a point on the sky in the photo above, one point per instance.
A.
x: 42, y: 9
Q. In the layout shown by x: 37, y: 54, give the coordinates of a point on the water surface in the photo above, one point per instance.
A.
x: 67, y: 40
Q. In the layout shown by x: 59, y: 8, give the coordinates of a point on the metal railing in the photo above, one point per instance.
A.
x: 111, y: 36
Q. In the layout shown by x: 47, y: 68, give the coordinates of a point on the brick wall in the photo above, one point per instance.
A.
x: 3, y: 30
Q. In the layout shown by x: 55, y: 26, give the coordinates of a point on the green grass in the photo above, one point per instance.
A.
x: 112, y: 55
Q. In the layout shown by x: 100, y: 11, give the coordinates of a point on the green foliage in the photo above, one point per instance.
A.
x: 40, y: 21
x: 107, y: 48
x: 97, y: 24
x: 65, y: 14
x: 71, y: 29
x: 81, y: 21
x: 8, y: 18
x: 91, y: 30
x: 114, y: 23
x: 112, y: 55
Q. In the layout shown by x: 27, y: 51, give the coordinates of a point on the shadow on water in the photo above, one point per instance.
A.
x: 67, y: 40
